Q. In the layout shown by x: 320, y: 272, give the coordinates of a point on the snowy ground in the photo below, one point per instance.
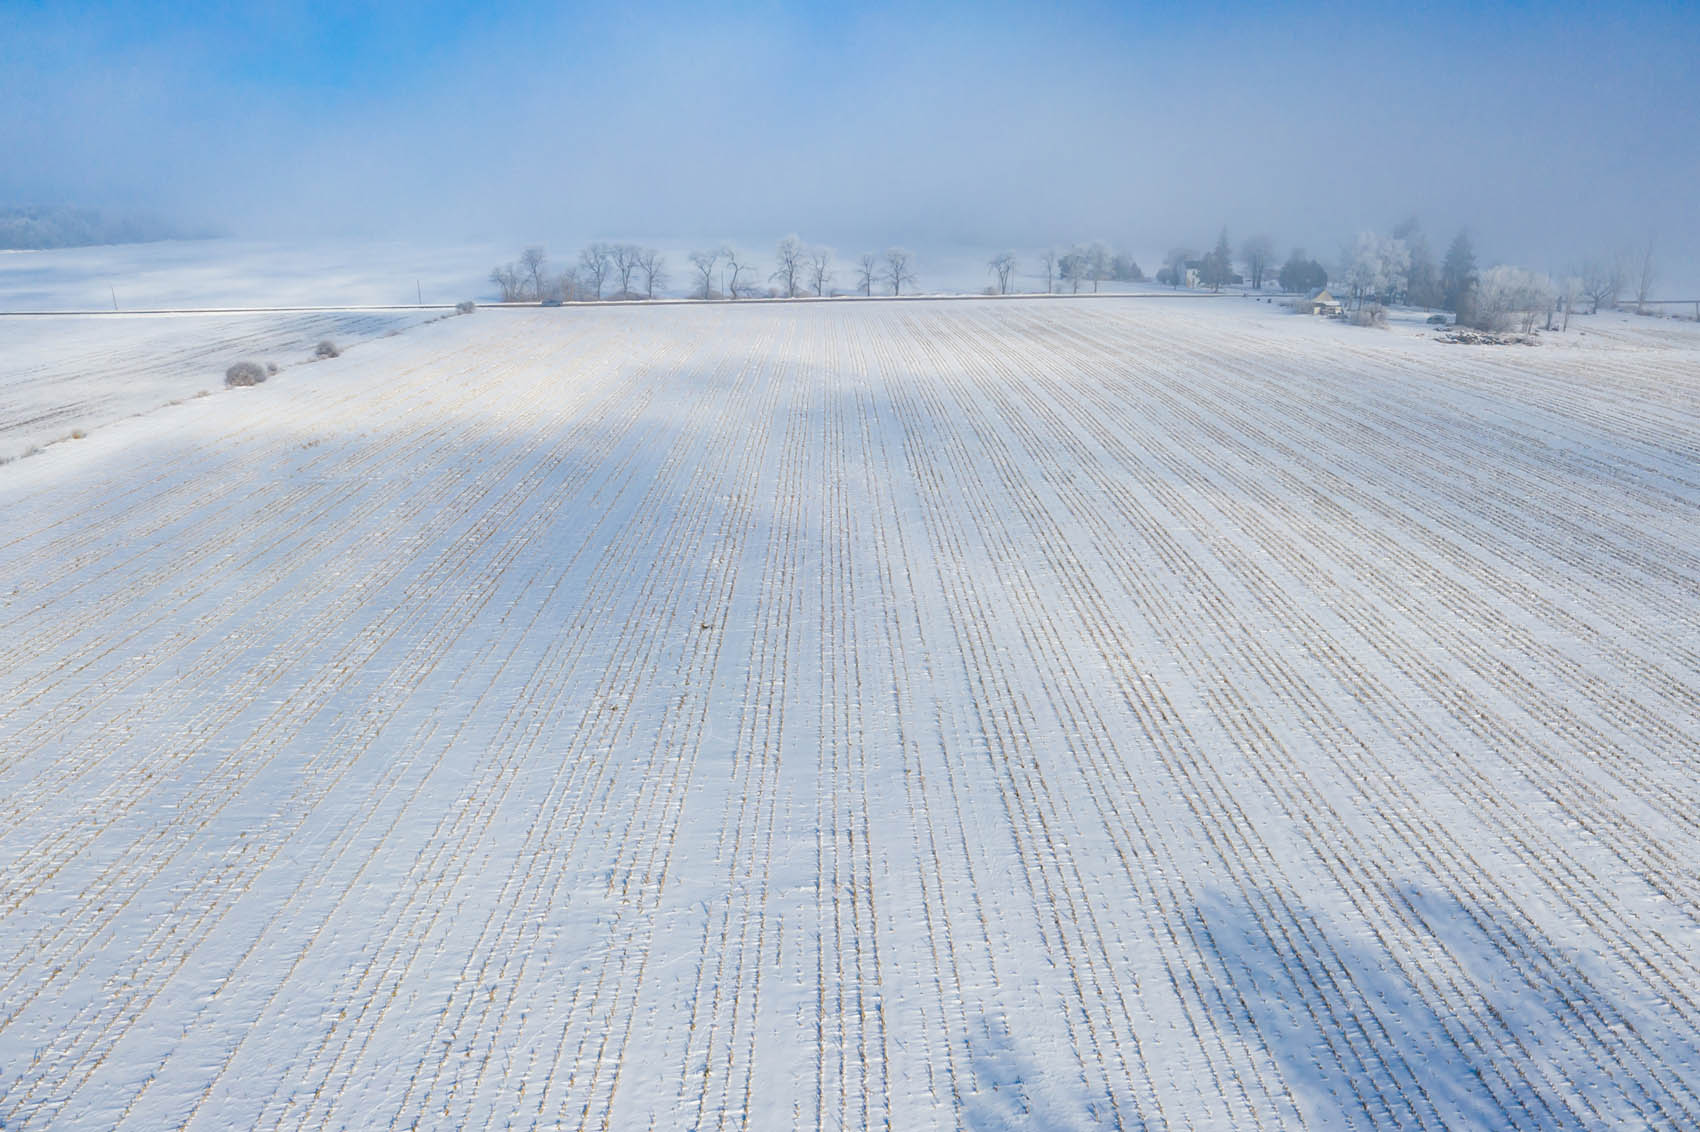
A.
x: 61, y: 375
x: 989, y: 715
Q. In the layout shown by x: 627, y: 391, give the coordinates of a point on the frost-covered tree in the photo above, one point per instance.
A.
x: 1003, y: 266
x: 1376, y: 267
x: 1602, y: 283
x: 789, y: 255
x: 1099, y: 261
x: 1569, y: 294
x: 1257, y: 252
x: 1072, y: 268
x: 1457, y: 272
x: 703, y: 263
x: 1125, y: 269
x: 1048, y: 260
x: 1422, y: 278
x: 1504, y: 295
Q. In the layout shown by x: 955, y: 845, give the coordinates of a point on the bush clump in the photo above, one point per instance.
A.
x: 465, y: 306
x: 327, y: 349
x: 1504, y: 297
x: 1372, y: 314
x: 244, y: 374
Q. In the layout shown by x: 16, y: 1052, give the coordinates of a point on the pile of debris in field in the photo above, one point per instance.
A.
x: 1484, y: 338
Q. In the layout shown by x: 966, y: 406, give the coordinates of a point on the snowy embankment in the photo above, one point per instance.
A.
x: 944, y: 715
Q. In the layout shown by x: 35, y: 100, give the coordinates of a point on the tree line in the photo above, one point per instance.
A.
x: 1068, y: 268
x: 1215, y: 269
x: 1374, y: 271
x: 37, y: 228
x: 611, y: 271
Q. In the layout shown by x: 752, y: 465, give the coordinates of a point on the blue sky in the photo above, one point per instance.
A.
x: 1552, y: 130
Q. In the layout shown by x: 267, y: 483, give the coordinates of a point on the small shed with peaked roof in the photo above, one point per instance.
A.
x: 1320, y: 301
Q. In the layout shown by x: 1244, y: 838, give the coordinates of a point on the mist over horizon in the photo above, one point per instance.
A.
x: 1552, y: 135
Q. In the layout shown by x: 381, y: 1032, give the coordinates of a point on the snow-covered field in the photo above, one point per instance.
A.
x: 61, y: 375
x: 1033, y: 714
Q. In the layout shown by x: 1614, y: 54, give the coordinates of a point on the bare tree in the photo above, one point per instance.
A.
x: 897, y: 270
x: 737, y: 264
x: 704, y: 263
x: 1645, y: 276
x: 595, y: 262
x: 789, y: 253
x: 1602, y: 283
x: 652, y: 265
x: 1571, y: 293
x: 820, y: 269
x: 1003, y: 265
x: 507, y: 280
x: 1257, y: 252
x: 567, y: 285
x: 532, y: 262
x: 625, y: 259
x: 1048, y: 259
x: 867, y: 270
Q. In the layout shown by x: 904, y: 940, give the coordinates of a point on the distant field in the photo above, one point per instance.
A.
x: 965, y: 715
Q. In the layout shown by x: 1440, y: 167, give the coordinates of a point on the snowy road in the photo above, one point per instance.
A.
x: 959, y: 715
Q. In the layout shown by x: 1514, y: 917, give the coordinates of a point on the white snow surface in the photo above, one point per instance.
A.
x: 1042, y: 714
x: 61, y: 375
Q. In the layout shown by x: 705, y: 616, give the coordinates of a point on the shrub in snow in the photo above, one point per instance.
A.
x: 465, y: 306
x: 243, y: 374
x: 1505, y: 294
x: 1371, y: 314
x: 271, y: 368
x: 327, y: 349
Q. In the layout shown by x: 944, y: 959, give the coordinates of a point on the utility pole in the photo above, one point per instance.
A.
x: 114, y: 291
x: 419, y: 292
